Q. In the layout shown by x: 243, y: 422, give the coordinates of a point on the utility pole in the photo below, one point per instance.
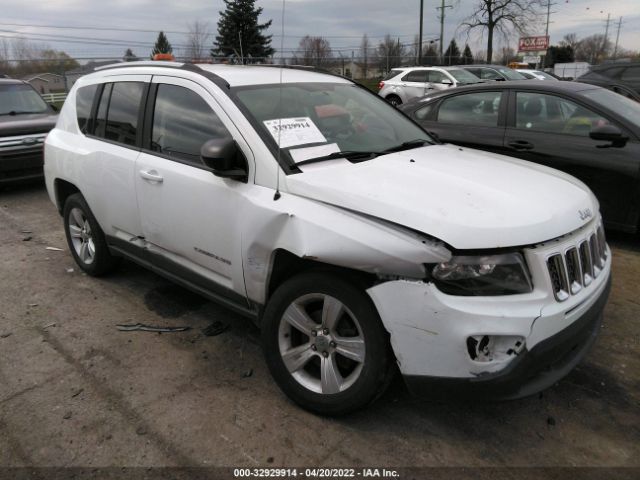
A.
x: 420, y: 39
x: 615, y: 50
x: 606, y: 37
x: 546, y: 33
x: 442, y: 15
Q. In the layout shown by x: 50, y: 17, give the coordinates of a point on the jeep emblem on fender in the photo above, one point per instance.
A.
x: 584, y: 214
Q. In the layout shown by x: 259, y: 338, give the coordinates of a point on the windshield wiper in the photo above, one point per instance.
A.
x: 408, y: 145
x: 347, y: 154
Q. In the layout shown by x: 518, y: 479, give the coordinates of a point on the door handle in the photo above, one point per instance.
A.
x: 521, y: 145
x: 151, y: 175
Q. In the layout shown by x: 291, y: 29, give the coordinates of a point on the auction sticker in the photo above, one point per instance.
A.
x: 289, y: 132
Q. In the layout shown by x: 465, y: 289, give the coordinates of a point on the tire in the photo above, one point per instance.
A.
x: 394, y: 100
x: 350, y: 342
x: 85, y: 238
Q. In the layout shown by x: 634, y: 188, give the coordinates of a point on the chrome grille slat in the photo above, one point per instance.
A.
x: 575, y: 269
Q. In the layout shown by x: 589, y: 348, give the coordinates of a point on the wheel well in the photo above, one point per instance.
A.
x: 286, y: 265
x: 393, y: 95
x: 63, y: 191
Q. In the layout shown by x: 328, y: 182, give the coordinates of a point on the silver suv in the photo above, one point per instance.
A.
x: 403, y: 84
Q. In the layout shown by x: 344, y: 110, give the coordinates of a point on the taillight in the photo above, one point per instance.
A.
x: 380, y: 85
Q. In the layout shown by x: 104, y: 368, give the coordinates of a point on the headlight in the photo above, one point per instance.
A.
x: 483, y: 275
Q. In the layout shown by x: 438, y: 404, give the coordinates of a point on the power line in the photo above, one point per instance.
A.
x: 442, y: 15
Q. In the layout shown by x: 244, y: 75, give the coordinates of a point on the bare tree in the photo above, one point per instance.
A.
x: 365, y: 54
x: 314, y: 51
x: 570, y: 40
x: 505, y: 55
x: 593, y: 49
x: 502, y: 16
x: 197, y: 40
x: 390, y: 53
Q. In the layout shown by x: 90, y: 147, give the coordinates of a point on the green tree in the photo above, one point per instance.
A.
x: 162, y: 45
x: 467, y: 56
x: 452, y: 54
x: 561, y: 54
x: 129, y: 56
x: 240, y: 34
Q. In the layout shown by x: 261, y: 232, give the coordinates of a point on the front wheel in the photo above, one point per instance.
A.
x: 325, y: 344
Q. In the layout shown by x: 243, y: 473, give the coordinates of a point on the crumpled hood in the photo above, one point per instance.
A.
x: 466, y: 198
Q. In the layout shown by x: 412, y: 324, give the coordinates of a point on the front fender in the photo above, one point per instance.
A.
x: 327, y: 234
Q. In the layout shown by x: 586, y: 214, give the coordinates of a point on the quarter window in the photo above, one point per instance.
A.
x: 182, y: 123
x: 548, y: 113
x: 474, y: 109
x: 84, y: 102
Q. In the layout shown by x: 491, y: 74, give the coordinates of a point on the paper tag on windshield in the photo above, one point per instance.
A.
x: 300, y: 154
x: 294, y: 131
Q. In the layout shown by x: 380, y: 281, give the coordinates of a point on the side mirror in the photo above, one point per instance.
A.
x: 219, y: 154
x: 446, y: 81
x: 609, y: 133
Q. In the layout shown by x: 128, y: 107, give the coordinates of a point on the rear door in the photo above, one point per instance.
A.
x: 109, y: 154
x: 554, y: 131
x: 414, y: 84
x: 190, y: 217
x: 474, y: 119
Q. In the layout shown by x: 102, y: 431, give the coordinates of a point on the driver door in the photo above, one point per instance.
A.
x: 190, y: 219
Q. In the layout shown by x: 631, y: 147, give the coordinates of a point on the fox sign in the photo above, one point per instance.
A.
x: 533, y: 44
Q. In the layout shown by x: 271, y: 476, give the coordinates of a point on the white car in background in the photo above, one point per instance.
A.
x: 403, y: 84
x: 536, y: 74
x: 356, y: 243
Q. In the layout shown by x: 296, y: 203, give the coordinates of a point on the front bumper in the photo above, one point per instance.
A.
x: 505, y: 342
x: 533, y: 370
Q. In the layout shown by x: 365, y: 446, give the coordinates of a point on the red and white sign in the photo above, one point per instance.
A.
x: 533, y: 44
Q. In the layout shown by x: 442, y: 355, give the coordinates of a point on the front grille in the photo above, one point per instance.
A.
x: 577, y: 265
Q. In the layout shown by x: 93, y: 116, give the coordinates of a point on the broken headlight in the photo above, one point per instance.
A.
x: 504, y: 274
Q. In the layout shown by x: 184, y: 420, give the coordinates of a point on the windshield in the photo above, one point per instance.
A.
x: 545, y: 75
x: 622, y: 106
x: 393, y: 73
x: 318, y: 119
x: 20, y: 98
x: 463, y: 76
x: 511, y: 74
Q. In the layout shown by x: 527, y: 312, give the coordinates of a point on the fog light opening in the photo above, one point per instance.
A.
x: 490, y: 348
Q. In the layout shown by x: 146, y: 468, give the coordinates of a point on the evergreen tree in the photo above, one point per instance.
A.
x: 162, y: 45
x: 129, y: 56
x: 467, y: 56
x: 240, y: 34
x: 452, y: 54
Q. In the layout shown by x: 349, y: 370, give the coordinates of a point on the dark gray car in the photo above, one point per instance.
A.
x: 25, y: 120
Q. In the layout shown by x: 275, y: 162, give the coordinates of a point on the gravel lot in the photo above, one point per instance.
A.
x: 75, y: 391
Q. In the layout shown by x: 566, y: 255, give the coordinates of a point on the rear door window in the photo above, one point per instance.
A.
x: 122, y: 116
x: 416, y: 76
x: 479, y: 109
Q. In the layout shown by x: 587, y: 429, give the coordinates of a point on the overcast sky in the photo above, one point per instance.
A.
x: 342, y: 21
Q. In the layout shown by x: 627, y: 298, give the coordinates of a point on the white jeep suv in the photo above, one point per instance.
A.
x: 359, y: 245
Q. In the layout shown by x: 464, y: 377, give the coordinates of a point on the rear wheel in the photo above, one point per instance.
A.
x: 85, y: 238
x: 325, y: 344
x: 394, y: 100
